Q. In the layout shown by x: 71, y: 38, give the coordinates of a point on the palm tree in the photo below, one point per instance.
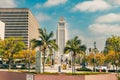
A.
x: 45, y: 43
x: 73, y: 46
x: 83, y: 49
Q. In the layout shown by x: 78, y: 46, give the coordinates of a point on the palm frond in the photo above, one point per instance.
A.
x: 36, y: 43
x: 50, y: 35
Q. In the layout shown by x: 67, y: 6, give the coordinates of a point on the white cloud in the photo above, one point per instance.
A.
x: 88, y: 40
x: 100, y: 42
x: 7, y: 4
x: 50, y: 3
x: 105, y: 29
x: 43, y: 17
x: 75, y: 32
x: 114, y: 2
x: 92, y: 6
x: 38, y: 5
x: 109, y: 18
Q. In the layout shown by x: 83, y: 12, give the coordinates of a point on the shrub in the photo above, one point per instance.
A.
x: 113, y: 70
x: 86, y: 73
x: 118, y: 78
x: 97, y: 70
x: 83, y: 69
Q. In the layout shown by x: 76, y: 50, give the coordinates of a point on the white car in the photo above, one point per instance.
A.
x: 18, y: 66
x: 101, y: 67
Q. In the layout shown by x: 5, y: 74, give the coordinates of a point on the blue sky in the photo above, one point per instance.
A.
x: 91, y: 20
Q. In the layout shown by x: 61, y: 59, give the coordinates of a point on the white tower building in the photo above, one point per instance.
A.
x: 2, y: 30
x: 61, y: 38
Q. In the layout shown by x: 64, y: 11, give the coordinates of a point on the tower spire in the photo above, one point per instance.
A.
x: 62, y: 18
x: 61, y: 38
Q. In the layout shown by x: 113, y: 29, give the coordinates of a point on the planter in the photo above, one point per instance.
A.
x: 76, y: 77
x: 5, y: 75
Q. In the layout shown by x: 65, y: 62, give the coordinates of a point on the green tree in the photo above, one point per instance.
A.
x: 110, y: 58
x: 1, y: 49
x: 26, y: 55
x: 11, y: 46
x: 73, y: 46
x: 99, y: 59
x: 95, y: 59
x: 90, y: 58
x: 45, y: 43
x: 113, y: 44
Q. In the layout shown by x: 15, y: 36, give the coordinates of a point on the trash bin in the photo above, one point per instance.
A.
x: 59, y: 68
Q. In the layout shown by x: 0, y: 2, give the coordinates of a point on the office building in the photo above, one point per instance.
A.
x: 19, y: 22
x: 61, y: 38
x: 2, y: 30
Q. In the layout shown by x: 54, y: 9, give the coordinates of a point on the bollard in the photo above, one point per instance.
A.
x: 100, y: 70
x: 59, y: 68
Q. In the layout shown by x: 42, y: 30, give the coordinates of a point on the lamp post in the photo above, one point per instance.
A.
x: 29, y: 55
x: 94, y: 55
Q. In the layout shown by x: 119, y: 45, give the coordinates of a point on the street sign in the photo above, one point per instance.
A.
x: 39, y: 62
x: 29, y: 77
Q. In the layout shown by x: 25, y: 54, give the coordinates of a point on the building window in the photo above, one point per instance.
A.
x: 62, y: 24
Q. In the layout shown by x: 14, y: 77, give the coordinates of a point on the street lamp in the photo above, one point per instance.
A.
x: 29, y: 55
x: 94, y: 55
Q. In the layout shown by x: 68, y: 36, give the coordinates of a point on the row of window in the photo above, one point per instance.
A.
x: 14, y: 28
x: 15, y: 21
x: 20, y: 32
x: 16, y: 34
x: 13, y: 12
x: 14, y: 18
x: 13, y: 15
x: 17, y: 24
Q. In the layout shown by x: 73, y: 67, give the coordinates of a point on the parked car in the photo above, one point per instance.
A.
x: 1, y: 63
x: 19, y: 66
x: 101, y: 67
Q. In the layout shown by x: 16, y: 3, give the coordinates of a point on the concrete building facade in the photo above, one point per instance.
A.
x: 61, y: 37
x: 2, y: 30
x: 19, y: 22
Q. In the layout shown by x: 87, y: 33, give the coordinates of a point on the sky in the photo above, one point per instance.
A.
x: 91, y: 20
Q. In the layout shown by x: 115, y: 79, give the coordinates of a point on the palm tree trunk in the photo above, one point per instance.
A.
x: 72, y: 64
x: 9, y: 65
x: 51, y: 60
x: 44, y: 60
x: 10, y: 61
x: 113, y: 66
x: 25, y: 62
x: 116, y: 67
